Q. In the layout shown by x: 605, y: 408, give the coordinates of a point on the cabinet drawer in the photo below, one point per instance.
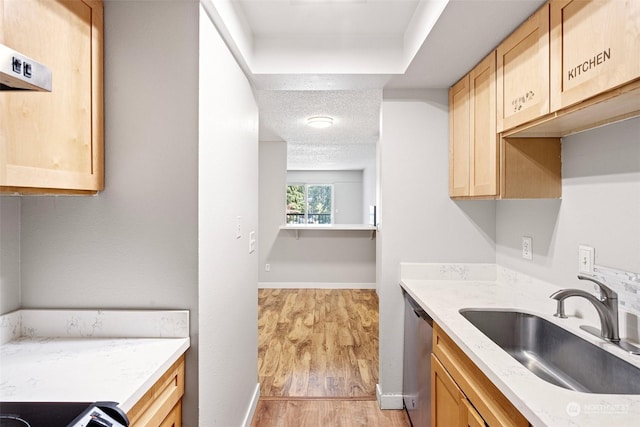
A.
x: 523, y: 72
x: 595, y: 47
x: 490, y: 403
x: 174, y: 419
x: 158, y: 405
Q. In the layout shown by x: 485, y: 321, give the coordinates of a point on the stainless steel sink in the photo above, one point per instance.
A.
x: 554, y: 354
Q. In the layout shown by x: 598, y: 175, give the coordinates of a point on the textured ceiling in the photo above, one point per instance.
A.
x: 304, y: 156
x: 356, y: 114
x: 349, y: 144
x: 269, y: 35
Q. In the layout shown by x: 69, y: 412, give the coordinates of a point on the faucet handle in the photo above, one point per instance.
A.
x: 605, y: 291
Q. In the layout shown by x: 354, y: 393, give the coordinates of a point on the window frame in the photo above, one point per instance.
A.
x: 306, y: 200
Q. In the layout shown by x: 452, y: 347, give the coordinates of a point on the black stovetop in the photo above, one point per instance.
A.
x: 40, y: 414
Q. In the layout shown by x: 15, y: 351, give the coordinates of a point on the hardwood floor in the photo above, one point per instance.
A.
x: 326, y: 413
x: 317, y: 342
x: 318, y: 360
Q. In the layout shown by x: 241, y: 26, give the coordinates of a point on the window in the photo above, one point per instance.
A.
x: 310, y: 204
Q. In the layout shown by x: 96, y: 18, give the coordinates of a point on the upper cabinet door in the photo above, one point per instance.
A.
x: 523, y: 72
x: 53, y: 141
x: 595, y: 46
x: 483, y: 154
x: 459, y: 138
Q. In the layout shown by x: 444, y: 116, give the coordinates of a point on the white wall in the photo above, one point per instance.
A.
x: 273, y: 183
x: 135, y: 244
x: 369, y: 190
x: 228, y: 189
x: 347, y: 191
x: 339, y: 259
x: 600, y: 207
x: 9, y: 253
x: 418, y: 220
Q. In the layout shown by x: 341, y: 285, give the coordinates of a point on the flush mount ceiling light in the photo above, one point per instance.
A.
x: 320, y: 122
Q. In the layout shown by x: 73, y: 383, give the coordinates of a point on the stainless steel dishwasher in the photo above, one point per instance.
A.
x: 416, y: 384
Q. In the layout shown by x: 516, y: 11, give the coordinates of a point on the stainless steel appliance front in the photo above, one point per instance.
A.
x: 19, y: 72
x: 416, y: 387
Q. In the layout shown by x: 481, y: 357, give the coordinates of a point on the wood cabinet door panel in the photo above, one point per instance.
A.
x: 523, y: 72
x: 595, y: 47
x: 161, y: 404
x: 459, y: 138
x: 447, y: 409
x: 54, y: 139
x: 483, y: 153
x: 487, y: 400
x: 473, y: 417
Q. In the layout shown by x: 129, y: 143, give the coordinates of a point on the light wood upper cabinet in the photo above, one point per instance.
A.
x: 595, y: 47
x: 459, y: 138
x: 523, y: 72
x: 473, y: 149
x: 483, y: 153
x: 52, y: 142
x: 482, y: 164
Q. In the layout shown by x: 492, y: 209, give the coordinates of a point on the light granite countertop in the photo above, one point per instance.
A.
x: 443, y: 289
x: 88, y: 355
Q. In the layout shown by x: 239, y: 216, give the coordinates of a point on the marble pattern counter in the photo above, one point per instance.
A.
x: 88, y: 355
x: 443, y: 289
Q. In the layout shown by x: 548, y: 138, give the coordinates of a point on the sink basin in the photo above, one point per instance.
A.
x: 554, y: 354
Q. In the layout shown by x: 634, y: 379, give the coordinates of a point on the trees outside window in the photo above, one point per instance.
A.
x: 309, y: 204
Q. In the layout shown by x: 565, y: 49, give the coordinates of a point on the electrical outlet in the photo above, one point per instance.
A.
x: 527, y: 248
x: 586, y: 259
x: 267, y: 267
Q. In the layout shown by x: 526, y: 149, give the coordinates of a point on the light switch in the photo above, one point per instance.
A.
x: 252, y: 242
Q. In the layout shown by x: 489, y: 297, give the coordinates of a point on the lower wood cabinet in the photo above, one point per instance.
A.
x: 161, y: 405
x: 174, y: 419
x: 450, y: 407
x: 461, y: 395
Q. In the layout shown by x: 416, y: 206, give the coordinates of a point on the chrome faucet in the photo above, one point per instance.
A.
x: 606, y: 305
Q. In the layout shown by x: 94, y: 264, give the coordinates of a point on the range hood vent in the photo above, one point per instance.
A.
x: 19, y: 72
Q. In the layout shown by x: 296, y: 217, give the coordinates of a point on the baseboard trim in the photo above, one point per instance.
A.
x: 315, y: 285
x: 252, y: 407
x: 389, y: 401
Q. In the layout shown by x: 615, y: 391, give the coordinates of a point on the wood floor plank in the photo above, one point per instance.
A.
x: 324, y: 413
x: 317, y: 342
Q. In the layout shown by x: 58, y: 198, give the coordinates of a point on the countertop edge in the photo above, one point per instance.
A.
x: 128, y: 404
